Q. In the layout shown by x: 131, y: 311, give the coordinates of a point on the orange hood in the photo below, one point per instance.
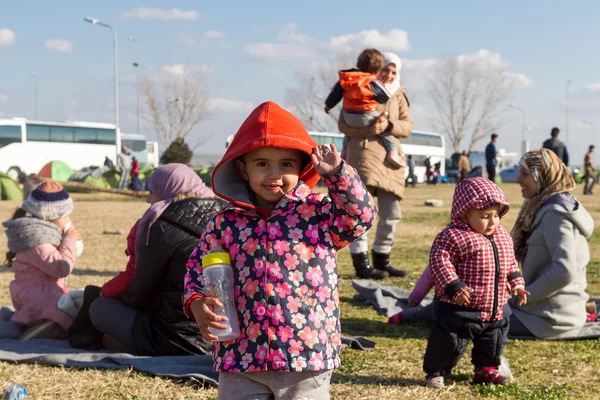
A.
x: 268, y: 125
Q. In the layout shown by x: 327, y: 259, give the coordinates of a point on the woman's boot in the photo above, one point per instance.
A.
x: 381, y: 262
x: 363, y: 269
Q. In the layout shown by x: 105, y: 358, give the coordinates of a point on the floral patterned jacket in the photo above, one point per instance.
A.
x: 286, y: 273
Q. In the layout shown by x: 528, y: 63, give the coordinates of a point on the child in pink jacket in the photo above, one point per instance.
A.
x: 42, y: 253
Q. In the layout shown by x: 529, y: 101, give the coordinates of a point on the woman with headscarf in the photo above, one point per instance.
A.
x: 384, y: 180
x: 148, y: 319
x: 550, y: 238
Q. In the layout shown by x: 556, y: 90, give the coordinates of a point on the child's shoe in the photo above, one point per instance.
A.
x: 394, y: 158
x: 437, y: 382
x: 489, y: 375
x: 43, y: 330
x: 396, y: 319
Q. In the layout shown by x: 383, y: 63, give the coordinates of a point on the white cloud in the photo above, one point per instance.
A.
x: 593, y: 87
x: 275, y: 72
x: 162, y: 14
x: 3, y: 99
x: 58, y: 46
x: 291, y: 44
x: 214, y: 34
x: 229, y: 105
x: 7, y: 37
x: 180, y: 69
x: 522, y: 81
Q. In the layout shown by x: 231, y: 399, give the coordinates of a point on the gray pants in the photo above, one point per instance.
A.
x: 273, y: 385
x: 8, y: 329
x: 115, y: 320
x: 388, y: 205
x: 589, y: 180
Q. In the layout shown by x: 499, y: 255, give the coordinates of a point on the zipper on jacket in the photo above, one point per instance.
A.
x: 496, y: 277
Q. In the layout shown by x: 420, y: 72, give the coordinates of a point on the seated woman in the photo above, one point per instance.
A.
x: 550, y: 238
x: 147, y: 318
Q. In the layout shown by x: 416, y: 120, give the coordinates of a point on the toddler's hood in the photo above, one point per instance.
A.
x: 479, y: 194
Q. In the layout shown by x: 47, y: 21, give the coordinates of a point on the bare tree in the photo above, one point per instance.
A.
x: 468, y: 95
x: 176, y: 104
x: 307, y: 99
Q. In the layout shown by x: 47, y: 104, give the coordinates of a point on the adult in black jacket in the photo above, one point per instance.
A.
x: 557, y: 146
x: 148, y: 318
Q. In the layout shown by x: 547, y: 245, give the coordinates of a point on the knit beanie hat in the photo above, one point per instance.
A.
x: 49, y: 201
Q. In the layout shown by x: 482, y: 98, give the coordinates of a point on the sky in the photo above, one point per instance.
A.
x: 251, y: 52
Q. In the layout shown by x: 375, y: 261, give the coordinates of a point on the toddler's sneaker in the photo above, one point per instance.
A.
x: 396, y: 319
x: 394, y: 158
x: 437, y: 382
x: 489, y: 375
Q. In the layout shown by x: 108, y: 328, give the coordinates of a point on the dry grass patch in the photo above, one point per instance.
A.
x: 544, y: 370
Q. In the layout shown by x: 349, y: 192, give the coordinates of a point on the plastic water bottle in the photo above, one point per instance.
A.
x: 14, y: 391
x: 218, y: 283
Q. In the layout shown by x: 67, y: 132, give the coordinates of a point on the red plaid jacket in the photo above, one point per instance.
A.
x: 462, y: 258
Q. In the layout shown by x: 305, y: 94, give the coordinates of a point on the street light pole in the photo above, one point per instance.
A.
x: 94, y: 21
x: 567, y: 114
x: 35, y: 94
x: 137, y: 87
x: 524, y: 142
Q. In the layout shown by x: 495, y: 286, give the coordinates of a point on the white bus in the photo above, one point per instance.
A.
x: 419, y: 145
x: 28, y: 145
x: 145, y: 151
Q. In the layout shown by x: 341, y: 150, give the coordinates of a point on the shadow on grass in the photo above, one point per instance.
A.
x: 93, y: 272
x: 374, y: 380
x: 374, y: 328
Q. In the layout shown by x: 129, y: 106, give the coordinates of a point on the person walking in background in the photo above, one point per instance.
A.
x: 124, y: 165
x: 491, y: 158
x: 464, y: 167
x: 412, y: 178
x: 590, y: 172
x: 557, y: 146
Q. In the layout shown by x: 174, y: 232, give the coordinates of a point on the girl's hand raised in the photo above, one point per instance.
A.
x: 326, y: 160
x: 203, y: 311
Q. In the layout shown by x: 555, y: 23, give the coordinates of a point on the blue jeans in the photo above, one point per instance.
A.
x: 8, y: 329
x: 124, y: 179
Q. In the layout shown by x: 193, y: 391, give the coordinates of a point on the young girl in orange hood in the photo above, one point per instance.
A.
x: 283, y: 239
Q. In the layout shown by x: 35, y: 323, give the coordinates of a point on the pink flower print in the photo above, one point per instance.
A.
x: 227, y: 237
x: 305, y: 252
x: 259, y: 311
x: 292, y: 220
x: 312, y: 234
x: 358, y: 190
x: 251, y: 287
x: 299, y: 364
x: 253, y: 331
x: 330, y: 308
x: 316, y: 360
x: 244, y: 273
x: 274, y: 231
x: 367, y: 214
x: 323, y: 337
x: 296, y: 277
x: 309, y: 336
x: 228, y: 360
x: 276, y: 314
x: 335, y: 339
x: 333, y: 279
x: 258, y: 268
x: 241, y: 303
x: 329, y: 351
x: 295, y: 347
x: 234, y: 250
x: 359, y: 231
x: 344, y: 183
x: 262, y: 353
x: 210, y: 226
x: 293, y: 304
x: 271, y: 331
x: 241, y: 223
x: 330, y: 265
x: 283, y: 289
x: 281, y: 247
x: 306, y: 211
x: 285, y: 333
x: 250, y: 246
x: 274, y: 272
x: 299, y: 320
x: 295, y: 235
x: 321, y: 251
x: 323, y: 293
x: 330, y: 324
x: 315, y: 275
x: 240, y: 260
x: 277, y: 359
x: 291, y: 261
x: 352, y: 209
x: 244, y: 234
x: 246, y: 359
x: 246, y: 317
x: 193, y: 263
x: 312, y: 317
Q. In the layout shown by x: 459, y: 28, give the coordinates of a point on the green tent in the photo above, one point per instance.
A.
x: 56, y: 170
x: 112, y: 177
x: 91, y: 177
x: 9, y: 189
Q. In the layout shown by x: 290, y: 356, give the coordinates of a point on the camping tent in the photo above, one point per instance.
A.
x: 57, y: 170
x: 92, y: 177
x: 9, y: 189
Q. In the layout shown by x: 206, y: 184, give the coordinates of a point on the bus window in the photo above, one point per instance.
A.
x: 38, y: 133
x: 61, y: 134
x: 9, y: 134
x: 106, y: 136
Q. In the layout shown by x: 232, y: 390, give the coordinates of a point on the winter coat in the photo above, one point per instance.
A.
x: 39, y: 282
x: 554, y: 269
x: 461, y: 257
x: 558, y: 148
x: 368, y: 155
x: 284, y: 264
x: 119, y: 284
x: 159, y: 273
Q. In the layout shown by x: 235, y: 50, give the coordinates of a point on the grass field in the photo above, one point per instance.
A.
x: 544, y: 370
